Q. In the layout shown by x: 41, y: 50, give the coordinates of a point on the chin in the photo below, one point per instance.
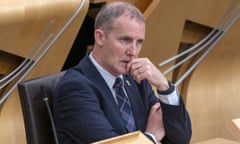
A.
x: 125, y: 72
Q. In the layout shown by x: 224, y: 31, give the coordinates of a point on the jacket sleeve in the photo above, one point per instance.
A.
x: 177, y: 124
x: 175, y: 117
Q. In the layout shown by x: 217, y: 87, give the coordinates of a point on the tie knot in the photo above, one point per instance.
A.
x: 118, y: 83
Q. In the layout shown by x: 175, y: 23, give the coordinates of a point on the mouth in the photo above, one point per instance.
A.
x: 125, y: 64
x: 126, y: 61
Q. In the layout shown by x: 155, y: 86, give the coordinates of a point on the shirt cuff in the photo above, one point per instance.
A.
x: 151, y: 137
x: 170, y: 96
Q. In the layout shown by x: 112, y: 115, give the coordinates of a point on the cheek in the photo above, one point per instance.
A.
x: 138, y: 51
x: 117, y: 49
x: 115, y: 54
x: 112, y: 53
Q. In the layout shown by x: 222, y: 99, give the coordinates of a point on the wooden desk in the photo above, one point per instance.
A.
x: 218, y: 141
x: 237, y: 123
x: 131, y: 138
x: 235, y: 128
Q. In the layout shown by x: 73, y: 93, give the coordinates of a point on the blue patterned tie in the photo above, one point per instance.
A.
x: 124, y: 105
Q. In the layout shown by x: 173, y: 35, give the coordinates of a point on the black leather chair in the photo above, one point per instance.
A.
x: 36, y: 100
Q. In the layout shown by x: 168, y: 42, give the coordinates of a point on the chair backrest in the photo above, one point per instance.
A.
x: 36, y: 100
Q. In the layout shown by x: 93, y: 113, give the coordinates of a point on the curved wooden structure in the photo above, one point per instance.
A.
x: 23, y: 24
x: 211, y: 91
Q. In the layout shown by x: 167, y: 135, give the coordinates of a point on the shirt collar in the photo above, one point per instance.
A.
x: 109, y: 78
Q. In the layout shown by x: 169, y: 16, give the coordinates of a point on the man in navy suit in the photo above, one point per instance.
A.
x: 85, y: 105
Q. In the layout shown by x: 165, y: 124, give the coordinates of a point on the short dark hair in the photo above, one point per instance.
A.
x: 112, y: 11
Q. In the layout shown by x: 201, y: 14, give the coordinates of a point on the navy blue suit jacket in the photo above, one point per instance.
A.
x: 85, y: 111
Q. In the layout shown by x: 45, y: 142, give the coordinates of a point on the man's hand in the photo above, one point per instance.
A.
x: 143, y: 68
x: 155, y: 122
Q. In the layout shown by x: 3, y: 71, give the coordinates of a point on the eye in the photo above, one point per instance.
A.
x: 139, y: 43
x: 125, y: 40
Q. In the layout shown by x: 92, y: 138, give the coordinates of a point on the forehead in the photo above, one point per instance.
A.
x: 126, y: 24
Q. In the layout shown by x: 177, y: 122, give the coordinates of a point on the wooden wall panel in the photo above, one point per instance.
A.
x: 212, y: 94
x: 214, y: 90
x: 24, y: 21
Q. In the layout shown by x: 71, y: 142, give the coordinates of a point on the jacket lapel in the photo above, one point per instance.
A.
x: 113, y: 113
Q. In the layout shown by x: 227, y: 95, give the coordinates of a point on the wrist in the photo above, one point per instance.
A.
x: 163, y: 87
x: 168, y: 88
x: 151, y: 137
x: 157, y: 137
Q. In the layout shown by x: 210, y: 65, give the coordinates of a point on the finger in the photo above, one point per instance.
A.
x: 138, y: 75
x: 135, y: 63
x: 135, y: 71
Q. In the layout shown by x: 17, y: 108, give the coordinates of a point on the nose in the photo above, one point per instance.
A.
x: 132, y: 50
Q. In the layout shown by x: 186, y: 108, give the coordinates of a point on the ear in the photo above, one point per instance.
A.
x: 99, y: 37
